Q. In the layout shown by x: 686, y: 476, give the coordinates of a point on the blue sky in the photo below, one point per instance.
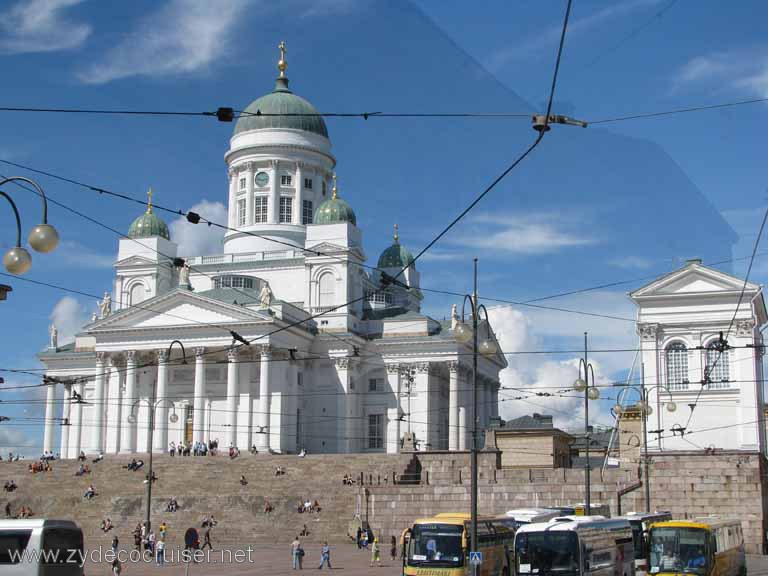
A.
x: 618, y: 202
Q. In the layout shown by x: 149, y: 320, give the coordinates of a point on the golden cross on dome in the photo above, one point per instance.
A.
x: 149, y: 201
x: 335, y: 192
x: 282, y: 64
x: 397, y: 235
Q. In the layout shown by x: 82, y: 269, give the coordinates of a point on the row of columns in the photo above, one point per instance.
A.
x: 123, y: 399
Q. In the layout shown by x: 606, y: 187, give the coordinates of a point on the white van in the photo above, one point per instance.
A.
x: 40, y: 548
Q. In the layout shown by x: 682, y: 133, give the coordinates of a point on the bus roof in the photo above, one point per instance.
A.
x: 574, y: 524
x: 704, y: 523
x: 454, y: 518
x: 32, y: 523
x: 643, y: 516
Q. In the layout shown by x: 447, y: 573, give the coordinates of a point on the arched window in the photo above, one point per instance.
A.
x: 718, y: 366
x: 327, y: 291
x: 677, y: 366
x: 137, y: 294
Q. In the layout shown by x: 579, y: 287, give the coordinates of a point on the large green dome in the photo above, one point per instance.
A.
x: 281, y: 109
x: 396, y: 256
x: 149, y: 224
x: 334, y: 210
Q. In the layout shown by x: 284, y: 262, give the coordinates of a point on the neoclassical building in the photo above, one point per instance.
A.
x: 716, y: 387
x: 337, y: 360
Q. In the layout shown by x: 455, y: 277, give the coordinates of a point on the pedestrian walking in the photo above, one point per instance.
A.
x: 207, y: 538
x: 115, y: 543
x: 359, y: 538
x: 116, y: 567
x: 375, y: 552
x: 160, y: 554
x: 297, y: 553
x: 325, y: 556
x: 393, y: 549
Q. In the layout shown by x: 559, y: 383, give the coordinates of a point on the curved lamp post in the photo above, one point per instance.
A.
x: 42, y: 238
x: 487, y: 347
x: 585, y: 383
x: 646, y: 410
x: 153, y: 403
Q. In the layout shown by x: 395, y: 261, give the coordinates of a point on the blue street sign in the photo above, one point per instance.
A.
x: 475, y: 558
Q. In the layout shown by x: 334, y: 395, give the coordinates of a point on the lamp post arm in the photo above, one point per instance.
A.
x: 16, y: 213
x: 37, y: 187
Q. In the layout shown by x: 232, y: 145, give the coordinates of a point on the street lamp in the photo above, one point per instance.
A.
x: 488, y: 347
x: 591, y: 392
x: 645, y: 408
x: 42, y: 238
x: 153, y: 403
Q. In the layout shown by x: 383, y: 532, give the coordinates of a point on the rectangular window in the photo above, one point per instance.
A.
x: 242, y: 183
x: 375, y: 431
x: 241, y: 212
x: 375, y: 385
x: 308, y: 183
x: 286, y: 180
x: 306, y: 212
x: 323, y: 187
x: 260, y: 209
x: 286, y: 209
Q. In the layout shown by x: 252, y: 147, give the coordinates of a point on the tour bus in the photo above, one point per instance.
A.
x: 640, y: 523
x: 40, y: 548
x: 533, y: 515
x: 581, y: 510
x: 575, y: 546
x: 702, y: 546
x: 439, y: 546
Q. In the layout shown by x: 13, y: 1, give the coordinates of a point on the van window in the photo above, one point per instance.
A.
x: 11, y: 544
x: 59, y: 543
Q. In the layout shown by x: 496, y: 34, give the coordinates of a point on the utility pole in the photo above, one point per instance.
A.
x: 587, y: 465
x: 473, y: 454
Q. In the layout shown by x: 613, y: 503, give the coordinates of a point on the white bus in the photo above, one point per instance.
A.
x: 533, y: 515
x: 640, y: 523
x: 575, y: 546
x: 40, y: 548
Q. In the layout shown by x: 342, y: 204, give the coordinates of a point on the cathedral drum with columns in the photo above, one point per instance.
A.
x: 335, y: 363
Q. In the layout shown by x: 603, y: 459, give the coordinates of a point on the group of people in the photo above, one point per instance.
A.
x: 146, y: 538
x: 298, y: 553
x: 172, y: 505
x: 47, y: 456
x: 82, y: 470
x: 90, y: 492
x: 106, y: 525
x: 24, y: 512
x: 348, y: 480
x: 10, y: 485
x: 40, y: 466
x: 234, y: 452
x: 195, y: 448
x: 134, y: 465
x: 308, y: 506
x: 12, y: 457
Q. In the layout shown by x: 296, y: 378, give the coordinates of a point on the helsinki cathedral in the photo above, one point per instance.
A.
x: 337, y: 360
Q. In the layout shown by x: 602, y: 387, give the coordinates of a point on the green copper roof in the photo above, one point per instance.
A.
x: 334, y: 210
x: 396, y: 256
x: 281, y: 101
x: 149, y: 224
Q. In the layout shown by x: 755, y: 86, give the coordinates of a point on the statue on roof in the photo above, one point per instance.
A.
x: 184, y: 275
x: 454, y: 316
x: 265, y: 296
x: 54, y: 337
x: 105, y: 306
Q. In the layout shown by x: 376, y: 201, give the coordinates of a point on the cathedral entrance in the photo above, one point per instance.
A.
x: 189, y: 412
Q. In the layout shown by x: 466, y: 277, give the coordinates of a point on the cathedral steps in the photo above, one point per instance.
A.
x: 206, y: 485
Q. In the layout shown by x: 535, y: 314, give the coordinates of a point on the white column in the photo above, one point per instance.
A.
x: 393, y: 431
x: 462, y: 428
x: 50, y: 400
x: 244, y: 405
x: 160, y: 436
x: 263, y: 432
x: 97, y: 433
x: 298, y: 208
x: 232, y: 396
x: 66, y: 422
x: 77, y: 422
x: 453, y: 406
x: 198, y: 421
x: 128, y: 429
x: 274, y: 193
x: 249, y: 174
x: 394, y: 436
x: 343, y: 406
x: 114, y: 405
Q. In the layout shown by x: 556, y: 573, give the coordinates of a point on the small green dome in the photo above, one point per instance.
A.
x: 396, y: 256
x: 149, y: 224
x: 334, y: 210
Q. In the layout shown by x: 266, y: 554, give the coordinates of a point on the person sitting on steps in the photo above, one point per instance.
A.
x: 243, y: 480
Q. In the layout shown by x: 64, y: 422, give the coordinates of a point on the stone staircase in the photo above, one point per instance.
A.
x: 206, y: 485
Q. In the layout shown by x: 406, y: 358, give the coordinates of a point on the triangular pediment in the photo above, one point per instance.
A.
x: 330, y: 248
x: 135, y: 261
x: 178, y: 308
x: 694, y: 279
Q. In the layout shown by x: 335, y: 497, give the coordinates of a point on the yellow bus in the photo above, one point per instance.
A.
x: 710, y: 546
x: 439, y: 546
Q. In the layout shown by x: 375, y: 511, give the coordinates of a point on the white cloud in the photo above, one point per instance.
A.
x: 40, y: 26
x: 18, y: 442
x: 199, y: 239
x: 181, y: 37
x: 69, y: 316
x: 522, y: 234
x: 745, y: 70
x: 75, y: 255
x: 632, y: 262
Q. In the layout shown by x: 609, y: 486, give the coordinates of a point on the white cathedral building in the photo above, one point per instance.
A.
x: 318, y: 373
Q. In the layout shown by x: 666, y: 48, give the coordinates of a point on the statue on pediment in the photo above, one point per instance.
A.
x: 454, y: 316
x: 265, y: 296
x: 184, y: 276
x: 54, y: 337
x: 105, y: 306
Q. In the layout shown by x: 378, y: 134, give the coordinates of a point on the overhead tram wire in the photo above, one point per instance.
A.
x: 724, y: 340
x: 678, y: 111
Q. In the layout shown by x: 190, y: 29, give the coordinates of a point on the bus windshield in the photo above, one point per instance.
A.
x: 547, y: 553
x: 678, y: 550
x: 436, y: 545
x: 638, y: 539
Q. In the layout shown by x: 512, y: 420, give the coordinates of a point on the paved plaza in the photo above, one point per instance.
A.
x: 270, y: 559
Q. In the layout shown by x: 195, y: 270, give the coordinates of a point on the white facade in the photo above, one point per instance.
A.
x: 681, y: 317
x: 318, y: 373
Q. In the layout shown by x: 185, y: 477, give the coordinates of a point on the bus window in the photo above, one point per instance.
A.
x: 638, y: 539
x: 543, y: 552
x: 12, y: 543
x: 436, y: 544
x: 60, y: 545
x: 678, y: 550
